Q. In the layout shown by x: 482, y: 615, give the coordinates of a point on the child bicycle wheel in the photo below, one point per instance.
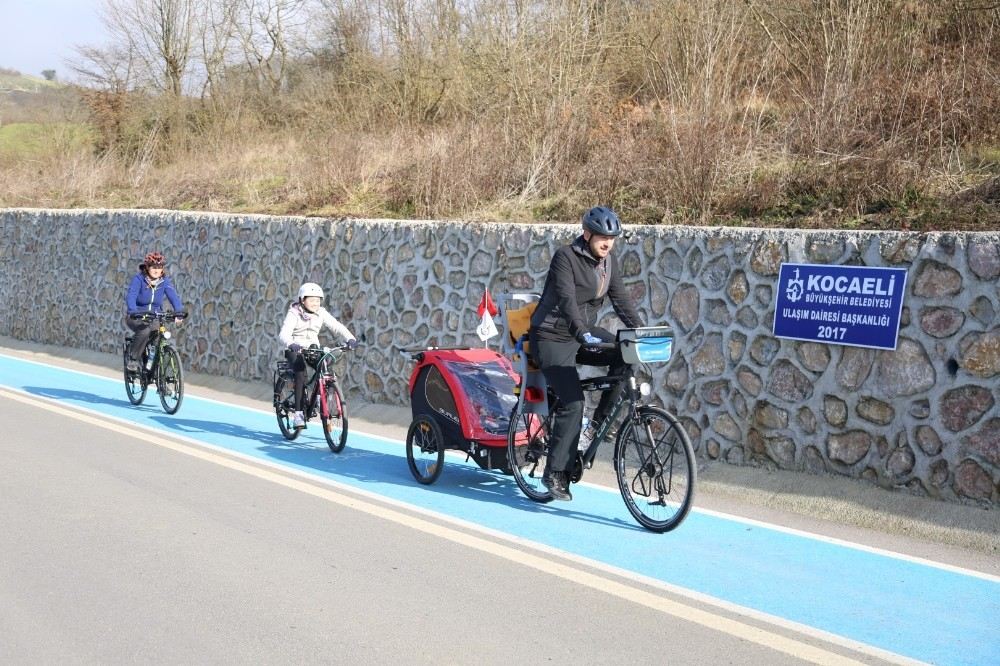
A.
x: 284, y: 406
x: 335, y: 419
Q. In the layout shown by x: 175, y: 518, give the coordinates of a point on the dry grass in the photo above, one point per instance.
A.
x: 865, y: 113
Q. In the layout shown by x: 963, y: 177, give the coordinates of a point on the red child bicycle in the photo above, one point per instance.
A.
x: 323, y: 397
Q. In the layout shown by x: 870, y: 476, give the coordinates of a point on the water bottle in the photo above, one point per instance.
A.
x: 150, y: 356
x: 585, y: 436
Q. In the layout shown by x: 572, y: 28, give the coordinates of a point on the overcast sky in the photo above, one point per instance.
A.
x: 41, y: 34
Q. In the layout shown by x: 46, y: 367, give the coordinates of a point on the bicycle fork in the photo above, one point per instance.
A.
x: 654, y: 464
x: 649, y: 477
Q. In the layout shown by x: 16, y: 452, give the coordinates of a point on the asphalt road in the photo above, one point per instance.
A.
x: 131, y: 536
x: 120, y: 550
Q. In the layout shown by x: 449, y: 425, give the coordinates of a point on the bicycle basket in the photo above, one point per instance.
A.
x: 651, y: 344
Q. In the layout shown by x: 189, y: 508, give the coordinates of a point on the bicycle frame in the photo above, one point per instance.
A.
x: 316, y: 389
x: 607, y: 383
x: 159, y: 340
x: 160, y: 343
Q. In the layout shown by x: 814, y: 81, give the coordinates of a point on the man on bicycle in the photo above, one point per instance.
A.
x: 145, y: 293
x: 564, y: 328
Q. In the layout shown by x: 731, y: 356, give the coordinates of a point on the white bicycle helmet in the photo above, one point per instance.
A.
x: 310, y: 289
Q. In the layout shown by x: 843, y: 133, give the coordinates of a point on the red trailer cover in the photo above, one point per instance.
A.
x: 478, y: 391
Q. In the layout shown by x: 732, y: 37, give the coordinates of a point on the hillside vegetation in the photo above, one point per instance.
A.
x: 12, y: 80
x: 808, y: 113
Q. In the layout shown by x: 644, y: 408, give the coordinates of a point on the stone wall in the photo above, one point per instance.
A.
x: 925, y: 416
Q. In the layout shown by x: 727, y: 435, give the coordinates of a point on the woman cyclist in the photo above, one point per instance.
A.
x: 305, y: 317
x: 145, y: 293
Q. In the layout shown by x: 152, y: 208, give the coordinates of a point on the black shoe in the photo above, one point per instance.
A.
x: 547, y: 477
x: 556, y: 483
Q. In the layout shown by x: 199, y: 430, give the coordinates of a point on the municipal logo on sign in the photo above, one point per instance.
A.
x: 794, y: 289
x: 857, y: 306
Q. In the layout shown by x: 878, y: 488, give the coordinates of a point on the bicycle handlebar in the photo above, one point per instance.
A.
x: 320, y: 352
x: 179, y: 314
x: 601, y: 345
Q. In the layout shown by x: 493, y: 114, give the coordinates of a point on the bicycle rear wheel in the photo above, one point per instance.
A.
x: 284, y: 406
x: 135, y: 383
x: 656, y: 469
x: 527, y: 451
x: 170, y: 380
x: 335, y: 420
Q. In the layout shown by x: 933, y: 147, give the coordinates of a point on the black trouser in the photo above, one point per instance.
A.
x: 298, y: 362
x: 141, y: 330
x: 558, y: 362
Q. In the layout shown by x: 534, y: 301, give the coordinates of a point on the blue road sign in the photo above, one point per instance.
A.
x: 857, y: 306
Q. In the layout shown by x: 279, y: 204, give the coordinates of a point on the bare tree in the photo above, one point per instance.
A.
x: 347, y: 27
x: 111, y: 68
x: 159, y: 33
x: 217, y: 31
x: 266, y: 28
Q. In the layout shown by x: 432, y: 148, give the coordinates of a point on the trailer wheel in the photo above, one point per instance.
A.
x: 425, y: 449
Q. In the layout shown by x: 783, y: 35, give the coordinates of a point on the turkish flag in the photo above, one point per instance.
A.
x: 486, y: 304
x: 486, y: 329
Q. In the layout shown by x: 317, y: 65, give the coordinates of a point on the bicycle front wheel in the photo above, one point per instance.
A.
x: 334, y: 419
x: 170, y: 380
x: 656, y: 469
x: 528, y: 450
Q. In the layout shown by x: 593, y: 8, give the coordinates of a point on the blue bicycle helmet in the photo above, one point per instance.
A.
x: 603, y: 221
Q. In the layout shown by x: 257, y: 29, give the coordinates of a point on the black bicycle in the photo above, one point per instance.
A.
x: 653, y: 458
x: 322, y: 394
x: 160, y: 364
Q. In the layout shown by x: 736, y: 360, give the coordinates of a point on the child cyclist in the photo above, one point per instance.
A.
x: 300, y: 330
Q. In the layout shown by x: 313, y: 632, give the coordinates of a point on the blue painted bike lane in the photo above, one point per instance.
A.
x: 911, y: 608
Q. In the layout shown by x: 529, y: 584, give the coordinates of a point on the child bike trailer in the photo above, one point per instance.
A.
x: 461, y: 399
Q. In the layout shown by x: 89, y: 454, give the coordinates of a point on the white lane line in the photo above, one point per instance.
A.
x: 708, y: 512
x: 681, y: 611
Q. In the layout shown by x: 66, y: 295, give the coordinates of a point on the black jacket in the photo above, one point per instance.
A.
x: 574, y: 293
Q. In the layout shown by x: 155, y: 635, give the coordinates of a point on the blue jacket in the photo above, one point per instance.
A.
x: 145, y: 296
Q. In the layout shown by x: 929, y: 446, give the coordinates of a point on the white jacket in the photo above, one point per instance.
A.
x: 302, y: 327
